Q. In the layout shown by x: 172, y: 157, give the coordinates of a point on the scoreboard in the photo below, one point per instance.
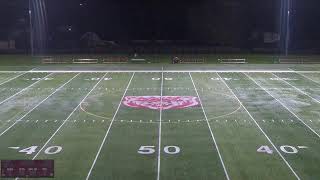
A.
x: 27, y: 169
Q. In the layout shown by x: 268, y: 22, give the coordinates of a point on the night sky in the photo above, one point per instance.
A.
x: 202, y: 20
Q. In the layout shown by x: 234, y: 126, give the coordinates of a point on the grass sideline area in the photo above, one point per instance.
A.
x: 26, y: 60
x: 172, y: 122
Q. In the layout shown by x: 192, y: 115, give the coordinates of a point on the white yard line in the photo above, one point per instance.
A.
x: 13, y: 78
x: 69, y: 116
x: 37, y: 105
x: 296, y: 88
x: 110, y: 125
x: 160, y: 126
x: 283, y: 105
x: 209, y: 126
x: 282, y: 157
x: 305, y: 76
x: 159, y: 71
x: 309, y: 78
x: 24, y: 89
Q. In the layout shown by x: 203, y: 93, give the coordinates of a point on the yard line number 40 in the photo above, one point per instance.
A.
x: 285, y: 148
x: 32, y: 149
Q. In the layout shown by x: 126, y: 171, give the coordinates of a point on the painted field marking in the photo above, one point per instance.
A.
x: 159, y: 71
x: 13, y: 78
x: 296, y: 88
x: 68, y: 117
x: 110, y: 125
x: 282, y: 157
x: 309, y: 78
x: 37, y: 105
x: 160, y: 126
x: 24, y: 89
x: 209, y: 126
x: 283, y: 105
x: 305, y: 76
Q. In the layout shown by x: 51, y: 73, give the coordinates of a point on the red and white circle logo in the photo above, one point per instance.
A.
x: 154, y: 102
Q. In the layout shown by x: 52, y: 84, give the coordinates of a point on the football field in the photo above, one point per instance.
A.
x: 164, y: 124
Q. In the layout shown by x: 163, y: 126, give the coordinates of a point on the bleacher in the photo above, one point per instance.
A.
x: 115, y: 60
x: 299, y: 61
x: 138, y: 60
x: 52, y: 60
x: 232, y: 61
x: 85, y: 61
x: 188, y: 60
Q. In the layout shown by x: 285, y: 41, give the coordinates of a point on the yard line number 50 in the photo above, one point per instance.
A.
x: 147, y: 150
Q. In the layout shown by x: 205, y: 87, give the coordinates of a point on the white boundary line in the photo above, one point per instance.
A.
x: 296, y: 88
x: 69, y: 117
x: 160, y: 127
x: 150, y: 71
x: 13, y: 78
x: 110, y: 125
x: 283, y: 105
x: 24, y: 89
x: 286, y: 162
x: 209, y: 126
x: 37, y: 105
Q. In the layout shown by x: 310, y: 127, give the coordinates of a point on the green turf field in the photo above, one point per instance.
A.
x: 176, y: 123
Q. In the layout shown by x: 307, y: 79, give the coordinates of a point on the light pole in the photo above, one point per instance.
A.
x: 288, y: 27
x: 285, y: 23
x: 31, y: 29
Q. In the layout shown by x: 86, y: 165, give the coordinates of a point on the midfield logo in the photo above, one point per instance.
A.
x: 154, y: 102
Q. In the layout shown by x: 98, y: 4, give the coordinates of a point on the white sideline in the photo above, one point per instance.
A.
x: 209, y: 126
x: 37, y: 105
x: 160, y: 126
x: 13, y: 78
x: 296, y: 88
x: 282, y: 157
x: 69, y: 116
x: 24, y: 89
x: 146, y: 71
x: 283, y: 105
x: 110, y: 125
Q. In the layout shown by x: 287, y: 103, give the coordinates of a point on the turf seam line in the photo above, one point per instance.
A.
x: 209, y: 126
x: 160, y: 127
x: 68, y: 117
x: 38, y: 105
x: 299, y: 90
x: 282, y: 157
x: 283, y: 105
x: 13, y: 78
x: 108, y: 130
x: 24, y: 89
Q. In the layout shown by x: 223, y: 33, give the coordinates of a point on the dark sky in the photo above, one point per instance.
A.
x: 211, y: 20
